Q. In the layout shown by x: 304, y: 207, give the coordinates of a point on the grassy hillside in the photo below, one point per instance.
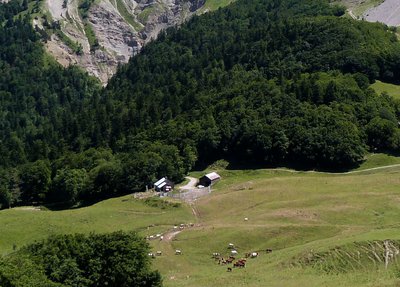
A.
x: 26, y: 224
x: 297, y: 214
x: 292, y: 213
x: 215, y: 4
x: 391, y: 89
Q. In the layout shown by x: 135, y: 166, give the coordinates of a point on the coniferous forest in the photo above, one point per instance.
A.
x: 261, y: 82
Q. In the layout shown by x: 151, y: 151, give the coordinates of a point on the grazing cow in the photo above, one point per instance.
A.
x: 216, y: 255
x: 239, y: 264
x: 178, y: 252
x: 268, y: 250
x: 158, y: 253
x: 161, y: 237
x: 151, y: 237
x: 151, y: 255
x: 229, y: 260
x: 229, y: 269
x: 231, y: 245
x: 246, y: 219
x: 234, y: 252
x: 254, y: 254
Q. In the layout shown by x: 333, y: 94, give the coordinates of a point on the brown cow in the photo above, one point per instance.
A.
x: 229, y: 260
x: 239, y: 264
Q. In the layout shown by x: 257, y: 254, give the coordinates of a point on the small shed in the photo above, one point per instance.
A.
x: 164, y: 185
x: 209, y: 179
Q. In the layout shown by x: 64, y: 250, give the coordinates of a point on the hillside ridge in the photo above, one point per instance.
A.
x: 100, y: 35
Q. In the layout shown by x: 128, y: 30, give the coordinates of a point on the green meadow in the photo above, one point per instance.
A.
x: 294, y: 213
x: 391, y: 89
x: 215, y: 4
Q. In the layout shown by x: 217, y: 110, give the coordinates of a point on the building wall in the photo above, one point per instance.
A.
x: 205, y: 181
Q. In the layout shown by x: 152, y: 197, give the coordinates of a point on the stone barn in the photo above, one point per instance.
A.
x: 163, y: 185
x: 209, y: 179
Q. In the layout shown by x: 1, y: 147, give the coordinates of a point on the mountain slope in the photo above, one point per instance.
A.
x: 261, y: 82
x: 100, y: 35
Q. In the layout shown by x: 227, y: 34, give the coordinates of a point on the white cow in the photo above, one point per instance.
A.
x: 159, y: 253
x: 254, y: 254
x: 231, y: 245
x: 178, y: 252
x: 234, y: 252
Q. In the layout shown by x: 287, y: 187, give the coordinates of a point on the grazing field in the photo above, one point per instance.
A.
x: 292, y: 214
x: 22, y: 225
x: 317, y: 225
x: 379, y: 160
x: 391, y: 89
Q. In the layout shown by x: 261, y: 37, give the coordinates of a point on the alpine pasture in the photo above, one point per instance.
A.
x: 296, y: 214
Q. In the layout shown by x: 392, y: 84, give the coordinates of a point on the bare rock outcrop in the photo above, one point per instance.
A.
x: 387, y: 12
x: 113, y: 33
x: 120, y: 27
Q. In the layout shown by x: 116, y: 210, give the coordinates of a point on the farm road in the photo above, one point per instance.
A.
x: 191, y: 184
x: 170, y: 235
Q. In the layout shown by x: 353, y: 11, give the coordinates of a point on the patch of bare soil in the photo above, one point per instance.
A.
x: 169, y: 236
x: 28, y: 208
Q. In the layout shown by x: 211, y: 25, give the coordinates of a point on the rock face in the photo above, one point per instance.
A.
x: 387, y: 12
x: 120, y: 28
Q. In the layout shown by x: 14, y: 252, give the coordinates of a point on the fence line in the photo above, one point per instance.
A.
x: 190, y: 194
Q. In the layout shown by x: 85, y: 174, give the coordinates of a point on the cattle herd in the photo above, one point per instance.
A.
x: 227, y: 260
x: 231, y: 259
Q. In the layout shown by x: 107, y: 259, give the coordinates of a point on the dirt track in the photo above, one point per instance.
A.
x: 191, y: 184
x: 388, y: 12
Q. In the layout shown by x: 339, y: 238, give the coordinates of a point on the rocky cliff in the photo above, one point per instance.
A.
x: 98, y: 35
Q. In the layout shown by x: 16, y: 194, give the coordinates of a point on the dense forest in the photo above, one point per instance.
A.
x: 261, y: 82
x: 117, y: 260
